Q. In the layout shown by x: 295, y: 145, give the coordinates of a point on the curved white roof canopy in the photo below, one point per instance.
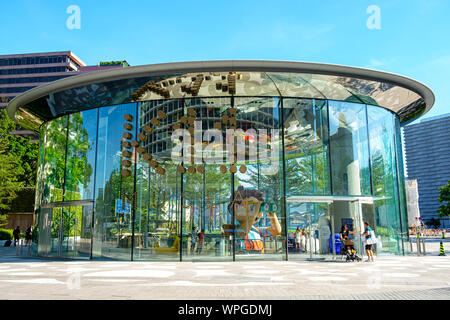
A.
x: 406, y: 97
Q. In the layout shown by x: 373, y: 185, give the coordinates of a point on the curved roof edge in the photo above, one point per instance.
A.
x: 223, y: 65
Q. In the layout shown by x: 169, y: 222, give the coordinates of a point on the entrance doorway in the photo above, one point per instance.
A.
x: 314, y: 225
x: 65, y: 230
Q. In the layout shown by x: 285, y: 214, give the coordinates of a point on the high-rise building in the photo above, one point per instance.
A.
x: 427, y: 148
x: 22, y: 72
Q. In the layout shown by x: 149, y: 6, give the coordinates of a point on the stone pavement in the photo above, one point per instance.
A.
x: 389, y: 277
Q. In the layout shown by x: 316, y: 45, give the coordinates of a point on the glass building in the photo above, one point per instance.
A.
x: 220, y: 160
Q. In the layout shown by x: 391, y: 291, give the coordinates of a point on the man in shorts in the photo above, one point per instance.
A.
x: 369, y: 241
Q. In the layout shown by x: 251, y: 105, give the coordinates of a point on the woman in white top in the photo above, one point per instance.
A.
x: 303, y: 247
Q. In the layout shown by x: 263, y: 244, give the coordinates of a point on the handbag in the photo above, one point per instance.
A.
x: 349, y: 243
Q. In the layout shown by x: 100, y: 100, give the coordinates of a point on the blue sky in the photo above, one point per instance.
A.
x: 413, y: 39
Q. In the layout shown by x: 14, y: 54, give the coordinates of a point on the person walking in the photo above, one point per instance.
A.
x: 16, y: 235
x: 28, y: 239
x: 201, y: 237
x: 193, y: 239
x: 298, y: 238
x: 28, y: 236
x: 369, y: 241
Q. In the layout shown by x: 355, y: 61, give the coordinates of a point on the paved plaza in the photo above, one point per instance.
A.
x: 389, y: 277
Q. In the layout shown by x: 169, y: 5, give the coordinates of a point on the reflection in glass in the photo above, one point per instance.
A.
x: 257, y: 200
x: 81, y: 155
x: 306, y: 147
x: 54, y: 160
x: 112, y: 226
x: 231, y: 189
x: 384, y: 178
x: 349, y: 149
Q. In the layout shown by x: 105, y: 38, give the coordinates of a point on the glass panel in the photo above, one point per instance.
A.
x: 401, y: 186
x: 309, y: 229
x: 206, y: 193
x: 40, y: 181
x: 257, y: 201
x: 81, y: 156
x: 306, y: 147
x: 157, y: 222
x: 384, y: 177
x: 54, y: 160
x: 45, y: 231
x: 349, y: 149
x: 113, y: 226
x: 56, y: 220
x: 76, y: 235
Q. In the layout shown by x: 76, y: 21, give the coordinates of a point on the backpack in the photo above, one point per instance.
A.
x: 373, y: 239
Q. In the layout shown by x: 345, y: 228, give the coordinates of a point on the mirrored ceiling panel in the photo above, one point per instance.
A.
x: 89, y: 94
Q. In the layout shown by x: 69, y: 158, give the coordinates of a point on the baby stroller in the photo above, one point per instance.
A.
x: 350, y: 252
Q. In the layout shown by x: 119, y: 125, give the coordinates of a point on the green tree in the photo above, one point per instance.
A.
x: 444, y: 197
x: 27, y: 154
x: 10, y: 169
x: 433, y: 222
x: 24, y: 152
x: 3, y: 220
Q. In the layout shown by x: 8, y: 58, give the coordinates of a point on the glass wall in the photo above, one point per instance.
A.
x: 207, y: 181
x: 53, y: 172
x: 113, y: 232
x: 157, y: 218
x: 218, y: 179
x: 259, y: 183
x: 306, y: 147
x: 349, y: 149
x: 384, y: 177
x: 81, y: 147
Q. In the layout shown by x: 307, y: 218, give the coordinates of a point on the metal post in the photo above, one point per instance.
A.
x: 418, y: 244
x: 286, y: 231
x: 233, y: 223
x: 310, y: 243
x: 333, y: 240
x: 423, y: 246
x: 410, y: 244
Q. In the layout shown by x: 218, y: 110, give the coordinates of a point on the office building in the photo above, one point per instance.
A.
x: 427, y: 149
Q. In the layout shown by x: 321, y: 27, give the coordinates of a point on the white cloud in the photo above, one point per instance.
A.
x: 374, y: 63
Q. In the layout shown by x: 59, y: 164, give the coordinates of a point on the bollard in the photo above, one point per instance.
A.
x: 443, y: 234
x: 423, y: 246
x: 410, y: 244
x: 418, y: 244
x: 441, y: 249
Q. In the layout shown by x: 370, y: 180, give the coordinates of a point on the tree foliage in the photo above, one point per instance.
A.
x: 444, y: 198
x: 3, y: 220
x: 433, y: 222
x: 10, y: 168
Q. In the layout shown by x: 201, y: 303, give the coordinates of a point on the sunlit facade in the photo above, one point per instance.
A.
x: 220, y: 161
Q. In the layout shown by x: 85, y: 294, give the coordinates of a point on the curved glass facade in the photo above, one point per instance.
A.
x: 219, y: 178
